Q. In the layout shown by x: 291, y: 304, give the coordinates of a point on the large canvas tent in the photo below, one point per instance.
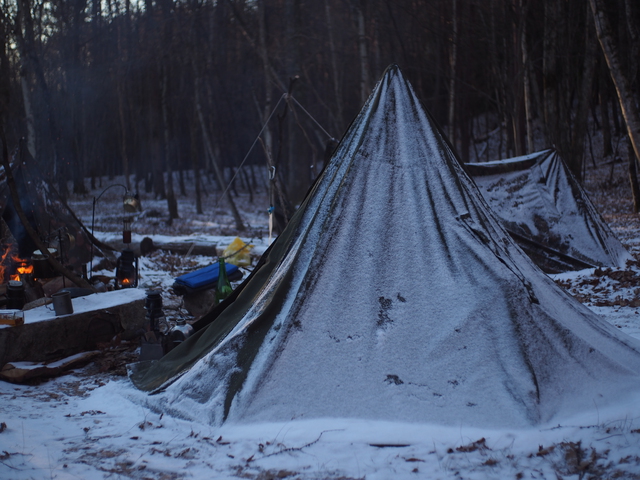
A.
x: 394, y: 294
x: 48, y: 215
x: 546, y: 210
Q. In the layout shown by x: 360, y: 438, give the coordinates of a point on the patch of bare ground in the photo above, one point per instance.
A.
x: 608, y: 188
x: 585, y: 462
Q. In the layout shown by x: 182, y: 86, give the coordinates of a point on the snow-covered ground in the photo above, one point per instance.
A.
x: 90, y: 424
x: 87, y: 427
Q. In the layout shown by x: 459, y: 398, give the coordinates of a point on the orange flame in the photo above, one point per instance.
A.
x: 23, y: 268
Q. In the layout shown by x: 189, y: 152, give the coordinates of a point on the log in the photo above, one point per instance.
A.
x: 20, y: 372
x: 189, y: 248
x: 147, y: 245
x: 45, y: 337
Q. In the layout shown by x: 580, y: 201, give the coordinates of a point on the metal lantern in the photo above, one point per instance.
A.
x: 15, y: 295
x: 127, y: 270
x: 130, y: 203
x: 152, y: 342
x: 155, y: 315
x: 180, y: 332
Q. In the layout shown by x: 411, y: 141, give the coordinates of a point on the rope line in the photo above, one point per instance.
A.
x: 331, y: 137
x: 286, y: 96
x: 251, y: 148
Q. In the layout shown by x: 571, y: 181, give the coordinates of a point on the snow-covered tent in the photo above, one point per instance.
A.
x: 394, y: 294
x: 548, y: 213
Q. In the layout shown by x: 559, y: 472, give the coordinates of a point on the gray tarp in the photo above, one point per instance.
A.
x: 548, y: 213
x: 394, y: 294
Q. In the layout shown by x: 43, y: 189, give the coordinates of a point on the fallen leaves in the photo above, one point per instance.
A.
x: 480, y: 444
x: 606, y: 287
x: 92, y: 412
x: 545, y: 451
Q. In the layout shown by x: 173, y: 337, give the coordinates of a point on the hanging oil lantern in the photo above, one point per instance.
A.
x: 127, y: 270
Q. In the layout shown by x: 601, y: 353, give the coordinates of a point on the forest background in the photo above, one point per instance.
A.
x: 151, y: 89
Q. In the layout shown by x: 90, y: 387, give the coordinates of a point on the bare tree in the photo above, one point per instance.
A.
x: 625, y: 94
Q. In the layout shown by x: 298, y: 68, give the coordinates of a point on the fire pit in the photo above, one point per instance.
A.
x: 12, y: 267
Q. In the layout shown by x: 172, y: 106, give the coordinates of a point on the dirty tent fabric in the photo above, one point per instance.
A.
x: 548, y: 212
x: 394, y: 294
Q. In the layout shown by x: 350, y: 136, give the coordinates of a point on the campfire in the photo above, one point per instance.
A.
x: 23, y: 269
x: 12, y: 267
x: 17, y: 275
x: 20, y: 278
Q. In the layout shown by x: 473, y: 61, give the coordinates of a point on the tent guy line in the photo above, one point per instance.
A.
x: 285, y: 96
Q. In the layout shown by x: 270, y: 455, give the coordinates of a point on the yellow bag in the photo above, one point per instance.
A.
x: 236, y: 254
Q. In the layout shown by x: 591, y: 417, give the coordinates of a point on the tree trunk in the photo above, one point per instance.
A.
x: 334, y: 70
x: 575, y: 156
x: 603, y: 98
x: 196, y: 169
x: 625, y: 95
x: 526, y: 70
x: 166, y: 37
x: 214, y: 161
x: 453, y: 57
x: 634, y: 36
x: 172, y: 203
x: 297, y: 165
x: 121, y: 92
x: 28, y: 112
x: 74, y: 167
x: 549, y: 74
x: 27, y: 49
x: 266, y: 111
x: 362, y: 52
x: 633, y: 180
x: 518, y: 112
x: 254, y: 44
x: 5, y: 70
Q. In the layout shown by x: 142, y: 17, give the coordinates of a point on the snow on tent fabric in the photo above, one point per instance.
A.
x: 548, y: 213
x: 459, y: 328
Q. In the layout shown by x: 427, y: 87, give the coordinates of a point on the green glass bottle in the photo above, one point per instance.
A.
x: 224, y: 289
